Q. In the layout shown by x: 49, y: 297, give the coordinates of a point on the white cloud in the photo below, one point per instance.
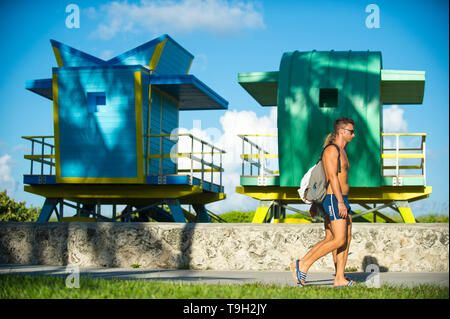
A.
x: 90, y: 12
x: 6, y: 179
x: 393, y: 121
x: 215, y: 16
x: 20, y: 148
x: 106, y: 54
x: 232, y: 124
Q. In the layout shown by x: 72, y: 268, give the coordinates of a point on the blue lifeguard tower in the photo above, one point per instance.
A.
x: 114, y: 141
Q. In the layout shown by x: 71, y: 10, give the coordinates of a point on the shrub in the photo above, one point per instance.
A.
x: 431, y: 218
x: 238, y: 217
x: 17, y: 212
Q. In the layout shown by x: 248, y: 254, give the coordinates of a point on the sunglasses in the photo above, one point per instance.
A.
x: 351, y: 131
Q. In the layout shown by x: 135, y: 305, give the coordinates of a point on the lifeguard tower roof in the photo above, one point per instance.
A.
x: 168, y: 61
x: 397, y: 86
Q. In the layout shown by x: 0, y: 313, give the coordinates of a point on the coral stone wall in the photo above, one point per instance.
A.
x: 393, y: 247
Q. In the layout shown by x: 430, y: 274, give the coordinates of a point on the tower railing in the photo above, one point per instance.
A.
x: 207, y: 159
x: 396, y: 153
x: 43, y: 155
x: 201, y: 157
x: 255, y: 156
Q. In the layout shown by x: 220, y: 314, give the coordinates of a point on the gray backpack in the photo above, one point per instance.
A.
x: 314, y: 184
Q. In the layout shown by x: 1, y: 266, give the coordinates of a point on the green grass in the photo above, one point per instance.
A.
x: 39, y: 287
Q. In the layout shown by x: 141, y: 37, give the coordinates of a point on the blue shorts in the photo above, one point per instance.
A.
x: 330, y: 206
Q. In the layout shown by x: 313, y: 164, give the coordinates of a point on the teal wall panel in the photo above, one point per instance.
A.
x: 169, y: 124
x: 101, y: 144
x: 164, y: 119
x: 303, y: 124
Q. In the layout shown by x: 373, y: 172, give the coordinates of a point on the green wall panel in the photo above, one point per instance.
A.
x: 303, y: 125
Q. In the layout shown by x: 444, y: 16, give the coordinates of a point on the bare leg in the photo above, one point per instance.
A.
x: 328, y: 237
x: 339, y: 279
x: 349, y: 237
x: 339, y: 232
x: 341, y: 257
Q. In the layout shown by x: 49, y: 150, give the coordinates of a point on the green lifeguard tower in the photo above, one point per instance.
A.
x: 115, y: 140
x: 311, y: 90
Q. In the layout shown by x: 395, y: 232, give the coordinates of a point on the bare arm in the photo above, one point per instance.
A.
x: 330, y: 164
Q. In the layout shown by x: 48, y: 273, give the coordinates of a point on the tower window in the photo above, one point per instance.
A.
x: 94, y: 99
x: 328, y: 98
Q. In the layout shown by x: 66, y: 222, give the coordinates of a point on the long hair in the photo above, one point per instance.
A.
x: 330, y: 138
x: 337, y: 125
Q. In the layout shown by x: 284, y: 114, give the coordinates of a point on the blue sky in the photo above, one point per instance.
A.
x: 226, y: 38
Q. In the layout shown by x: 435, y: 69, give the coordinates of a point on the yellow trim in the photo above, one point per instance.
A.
x: 199, y: 170
x: 404, y: 167
x: 406, y: 214
x: 260, y: 214
x: 56, y: 127
x: 40, y: 136
x: 132, y: 194
x: 290, y: 221
x: 34, y: 157
x: 178, y: 155
x: 247, y: 156
x: 139, y: 127
x: 164, y: 135
x: 202, y: 198
x: 58, y: 56
x: 382, y: 194
x: 164, y: 94
x: 117, y: 192
x: 156, y: 55
x: 189, y: 67
x: 404, y: 134
x: 149, y: 130
x: 402, y: 156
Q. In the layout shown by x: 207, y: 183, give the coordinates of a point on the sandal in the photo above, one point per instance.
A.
x: 351, y: 283
x: 300, y: 274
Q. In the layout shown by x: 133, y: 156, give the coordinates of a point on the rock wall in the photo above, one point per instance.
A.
x: 393, y: 247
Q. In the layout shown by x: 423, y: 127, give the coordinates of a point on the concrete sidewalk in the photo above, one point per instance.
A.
x: 282, y: 278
